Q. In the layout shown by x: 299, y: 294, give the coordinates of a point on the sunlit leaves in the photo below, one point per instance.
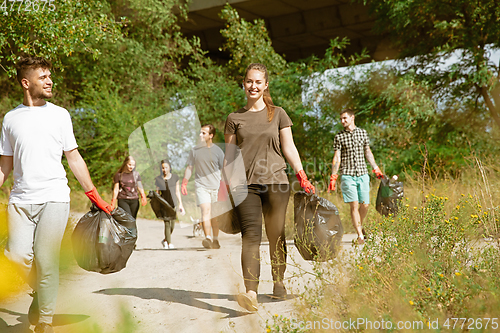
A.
x: 74, y: 26
x: 248, y: 43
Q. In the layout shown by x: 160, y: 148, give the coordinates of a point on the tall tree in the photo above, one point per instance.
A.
x: 433, y: 31
x: 53, y: 29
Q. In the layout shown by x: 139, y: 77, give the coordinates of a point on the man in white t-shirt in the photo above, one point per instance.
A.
x: 34, y: 136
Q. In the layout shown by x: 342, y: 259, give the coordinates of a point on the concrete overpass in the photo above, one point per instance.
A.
x: 298, y: 28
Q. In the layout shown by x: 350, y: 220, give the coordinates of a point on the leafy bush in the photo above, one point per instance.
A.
x: 436, y: 260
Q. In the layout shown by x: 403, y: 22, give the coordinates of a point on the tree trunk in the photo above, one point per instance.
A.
x: 494, y: 108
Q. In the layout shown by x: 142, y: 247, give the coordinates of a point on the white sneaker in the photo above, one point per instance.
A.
x: 164, y: 244
x: 171, y: 246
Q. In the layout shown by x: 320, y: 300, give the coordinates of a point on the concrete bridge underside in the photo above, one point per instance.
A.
x: 298, y: 28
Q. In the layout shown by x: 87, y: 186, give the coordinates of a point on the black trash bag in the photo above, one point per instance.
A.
x: 162, y: 209
x: 390, y: 193
x: 318, y: 227
x: 103, y: 243
x: 225, y: 214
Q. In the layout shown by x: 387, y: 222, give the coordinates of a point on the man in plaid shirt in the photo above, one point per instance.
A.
x: 352, y: 146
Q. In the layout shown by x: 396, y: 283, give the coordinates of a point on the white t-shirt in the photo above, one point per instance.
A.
x: 36, y: 138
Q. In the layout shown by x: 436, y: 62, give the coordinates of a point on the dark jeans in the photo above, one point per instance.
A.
x: 270, y: 201
x: 131, y: 206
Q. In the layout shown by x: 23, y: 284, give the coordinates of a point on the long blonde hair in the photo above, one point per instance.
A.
x: 267, y: 95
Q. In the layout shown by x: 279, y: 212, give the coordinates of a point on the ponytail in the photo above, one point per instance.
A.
x: 269, y: 104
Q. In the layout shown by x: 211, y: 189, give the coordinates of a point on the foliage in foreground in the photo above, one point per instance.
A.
x: 438, y: 259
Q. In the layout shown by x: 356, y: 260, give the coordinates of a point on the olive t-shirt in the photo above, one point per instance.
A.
x: 259, y: 142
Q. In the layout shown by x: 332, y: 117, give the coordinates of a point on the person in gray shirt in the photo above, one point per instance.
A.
x: 207, y: 159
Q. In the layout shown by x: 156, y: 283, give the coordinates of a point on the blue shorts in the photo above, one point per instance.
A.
x: 355, y: 188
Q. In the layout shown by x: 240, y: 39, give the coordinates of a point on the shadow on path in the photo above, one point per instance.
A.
x: 195, y: 249
x: 24, y: 327
x: 186, y: 297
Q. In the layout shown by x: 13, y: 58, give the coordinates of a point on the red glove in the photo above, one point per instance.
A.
x: 333, y: 180
x: 97, y: 200
x: 223, y: 191
x: 305, y: 183
x: 144, y: 201
x: 378, y: 173
x: 184, y: 189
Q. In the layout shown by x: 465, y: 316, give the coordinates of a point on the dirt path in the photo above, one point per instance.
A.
x: 188, y: 289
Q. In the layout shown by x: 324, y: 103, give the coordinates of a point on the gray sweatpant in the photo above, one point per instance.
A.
x: 35, y: 235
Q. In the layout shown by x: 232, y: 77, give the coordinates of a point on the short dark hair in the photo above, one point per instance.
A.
x: 211, y: 128
x: 30, y: 62
x: 349, y: 111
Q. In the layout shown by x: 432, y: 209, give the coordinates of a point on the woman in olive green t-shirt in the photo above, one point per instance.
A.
x: 262, y: 131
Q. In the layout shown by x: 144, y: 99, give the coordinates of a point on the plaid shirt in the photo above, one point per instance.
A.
x: 352, y: 147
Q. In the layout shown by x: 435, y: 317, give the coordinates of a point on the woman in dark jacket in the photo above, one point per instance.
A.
x: 167, y: 185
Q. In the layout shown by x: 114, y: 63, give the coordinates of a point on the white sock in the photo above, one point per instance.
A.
x: 209, y: 237
x: 362, y: 236
x: 216, y: 238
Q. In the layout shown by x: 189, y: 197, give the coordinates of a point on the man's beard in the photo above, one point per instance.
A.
x: 42, y: 95
x: 45, y: 95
